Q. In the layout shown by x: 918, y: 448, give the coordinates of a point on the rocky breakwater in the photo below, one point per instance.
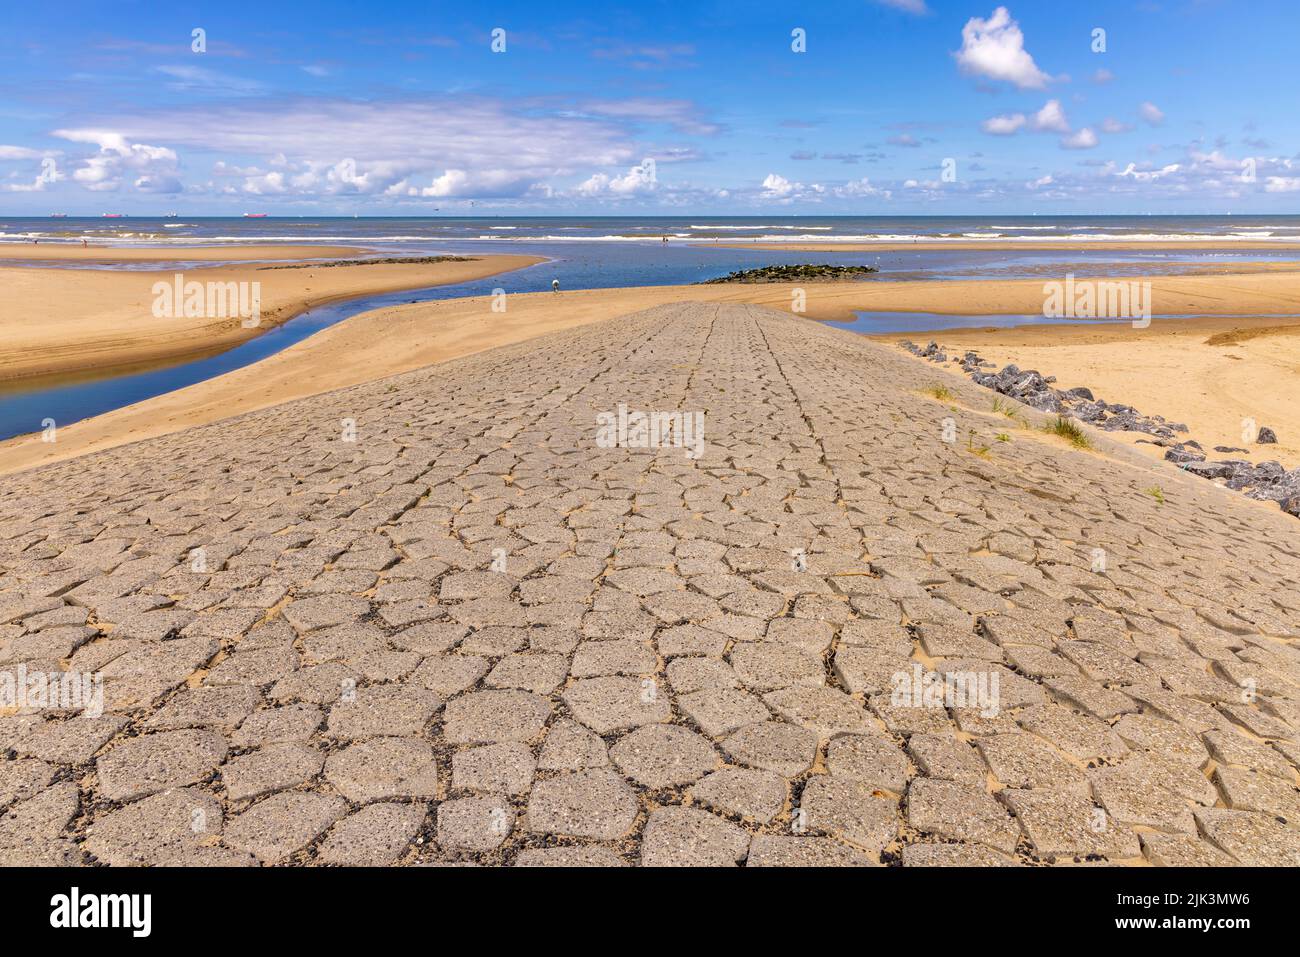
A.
x: 798, y: 272
x: 1265, y: 481
x: 384, y: 261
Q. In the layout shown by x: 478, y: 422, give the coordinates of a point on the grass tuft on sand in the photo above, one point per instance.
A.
x: 981, y: 450
x: 941, y: 392
x: 1069, y: 430
x: 1002, y: 407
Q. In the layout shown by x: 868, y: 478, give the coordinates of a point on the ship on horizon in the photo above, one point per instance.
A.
x: 255, y: 215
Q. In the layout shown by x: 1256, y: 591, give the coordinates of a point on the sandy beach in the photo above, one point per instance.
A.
x: 1238, y: 295
x: 57, y: 321
x: 1210, y: 373
x: 55, y: 252
x: 1118, y: 362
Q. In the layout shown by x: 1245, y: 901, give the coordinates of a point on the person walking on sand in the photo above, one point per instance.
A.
x: 555, y: 285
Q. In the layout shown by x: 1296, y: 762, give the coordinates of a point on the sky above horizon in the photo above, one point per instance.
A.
x: 870, y: 107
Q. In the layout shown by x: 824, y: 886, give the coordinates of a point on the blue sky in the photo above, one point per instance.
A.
x: 893, y: 107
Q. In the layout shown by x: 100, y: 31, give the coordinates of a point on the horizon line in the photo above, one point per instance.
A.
x: 101, y: 215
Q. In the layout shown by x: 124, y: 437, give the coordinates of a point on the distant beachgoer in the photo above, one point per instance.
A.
x: 83, y: 244
x: 665, y: 239
x: 555, y: 285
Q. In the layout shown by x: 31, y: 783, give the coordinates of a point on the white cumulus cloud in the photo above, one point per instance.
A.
x: 1084, y: 139
x: 1051, y: 118
x: 639, y: 179
x: 995, y: 48
x: 1004, y: 125
x: 1131, y: 171
x: 460, y: 147
x: 776, y: 186
x: 152, y: 169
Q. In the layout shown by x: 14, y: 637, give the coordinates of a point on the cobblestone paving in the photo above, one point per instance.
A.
x: 472, y: 635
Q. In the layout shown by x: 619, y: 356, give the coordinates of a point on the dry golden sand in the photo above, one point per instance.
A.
x: 58, y: 321
x: 119, y: 254
x: 1274, y: 292
x: 1167, y: 369
x: 1208, y: 373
